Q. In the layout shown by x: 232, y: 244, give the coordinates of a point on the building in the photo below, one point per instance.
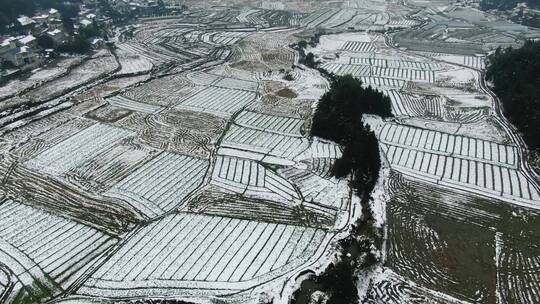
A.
x: 25, y: 21
x: 97, y: 43
x: 21, y: 57
x: 29, y: 41
x: 58, y: 36
x: 85, y: 23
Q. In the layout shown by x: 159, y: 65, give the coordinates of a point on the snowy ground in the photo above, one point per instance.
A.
x: 181, y: 166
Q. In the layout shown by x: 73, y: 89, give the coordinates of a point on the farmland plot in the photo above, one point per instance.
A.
x: 108, y: 168
x: 202, y: 78
x: 199, y: 254
x: 392, y: 288
x: 87, y: 71
x: 448, y: 144
x: 45, y: 133
x: 382, y: 82
x: 475, y: 62
x: 219, y: 101
x: 161, y: 184
x: 186, y: 132
x: 108, y: 113
x: 264, y: 142
x: 279, y: 106
x: 221, y: 202
x: 379, y: 61
x: 271, y: 123
x: 38, y: 77
x: 260, y: 52
x: 321, y: 148
x: 518, y: 276
x: 45, y: 253
x: 479, y: 166
x: 358, y: 46
x: 432, y: 242
x: 158, y: 91
x: 132, y: 63
x: 252, y: 179
x: 359, y: 70
x: 132, y: 105
x: 332, y: 193
x: 106, y: 214
x: 404, y: 104
x: 233, y: 83
x: 78, y: 148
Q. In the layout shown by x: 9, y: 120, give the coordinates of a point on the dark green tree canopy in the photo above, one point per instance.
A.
x: 516, y: 79
x: 340, y: 109
x: 338, y: 117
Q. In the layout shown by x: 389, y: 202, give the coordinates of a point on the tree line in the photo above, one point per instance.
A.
x: 507, y: 4
x: 516, y: 81
x: 338, y: 117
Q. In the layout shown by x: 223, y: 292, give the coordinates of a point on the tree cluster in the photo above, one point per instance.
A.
x: 514, y: 74
x: 338, y: 117
x: 507, y: 4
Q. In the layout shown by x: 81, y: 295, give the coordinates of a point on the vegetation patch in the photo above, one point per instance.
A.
x: 516, y: 81
x: 287, y: 93
x: 338, y: 117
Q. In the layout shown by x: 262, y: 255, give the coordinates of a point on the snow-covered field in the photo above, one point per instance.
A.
x: 182, y: 167
x: 217, y: 100
x: 77, y: 149
x: 199, y: 254
x: 161, y: 184
x: 47, y: 253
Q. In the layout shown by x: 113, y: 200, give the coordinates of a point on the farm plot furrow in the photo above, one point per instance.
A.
x: 158, y: 91
x: 202, y: 78
x: 382, y: 82
x: 60, y: 247
x: 264, y: 142
x: 109, y: 167
x: 162, y: 183
x: 233, y: 83
x: 78, y: 148
x: 218, y: 100
x: 130, y: 62
x: 132, y: 105
x: 403, y: 74
x: 320, y: 149
x: 331, y: 193
x: 518, y: 269
x: 251, y: 179
x: 357, y: 46
x: 202, y: 251
x: 279, y: 124
x: 448, y: 144
x: 426, y: 222
x: 215, y: 201
x: 404, y: 104
x: 473, y: 175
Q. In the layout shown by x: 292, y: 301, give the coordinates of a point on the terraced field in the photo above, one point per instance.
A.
x: 192, y: 252
x: 476, y: 164
x: 217, y: 100
x: 75, y: 150
x: 160, y: 184
x: 178, y: 165
x: 45, y: 253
